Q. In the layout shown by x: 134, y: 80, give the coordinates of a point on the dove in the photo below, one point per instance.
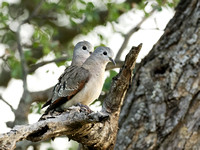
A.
x: 81, y: 84
x: 82, y: 51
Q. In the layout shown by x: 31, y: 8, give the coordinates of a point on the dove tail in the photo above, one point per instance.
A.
x: 47, y: 103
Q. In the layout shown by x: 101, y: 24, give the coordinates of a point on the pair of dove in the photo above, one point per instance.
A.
x: 81, y: 82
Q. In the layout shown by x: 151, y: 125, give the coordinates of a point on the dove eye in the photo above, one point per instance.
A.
x: 105, y: 53
x: 84, y: 47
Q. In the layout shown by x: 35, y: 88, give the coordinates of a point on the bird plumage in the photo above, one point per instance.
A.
x: 82, y: 51
x: 70, y: 84
x: 81, y: 84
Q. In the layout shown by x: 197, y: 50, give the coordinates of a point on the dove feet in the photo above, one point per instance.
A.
x: 84, y: 107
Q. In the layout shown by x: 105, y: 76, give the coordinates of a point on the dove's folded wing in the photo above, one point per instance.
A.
x: 70, y: 83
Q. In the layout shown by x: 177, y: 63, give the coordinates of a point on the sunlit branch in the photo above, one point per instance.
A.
x: 61, y: 59
x: 36, y: 10
x: 36, y: 66
x: 22, y: 59
x: 21, y: 113
x: 129, y: 34
x: 46, y: 17
x: 110, y: 66
x: 151, y: 29
x: 20, y: 50
x: 13, y: 110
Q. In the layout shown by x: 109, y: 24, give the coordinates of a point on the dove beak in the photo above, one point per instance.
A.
x: 112, y: 61
x: 90, y: 53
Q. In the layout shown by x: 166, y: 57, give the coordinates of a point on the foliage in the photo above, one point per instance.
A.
x: 50, y: 36
x: 108, y: 80
x: 157, y: 4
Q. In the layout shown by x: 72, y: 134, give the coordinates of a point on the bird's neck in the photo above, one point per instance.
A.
x: 94, y: 65
x: 78, y: 61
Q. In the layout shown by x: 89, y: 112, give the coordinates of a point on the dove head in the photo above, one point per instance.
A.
x: 82, y: 51
x: 104, y: 54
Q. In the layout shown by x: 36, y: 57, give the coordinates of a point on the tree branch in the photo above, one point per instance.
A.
x: 34, y: 67
x: 22, y: 59
x: 22, y: 111
x: 129, y: 34
x: 94, y: 130
x: 110, y: 66
x: 21, y: 53
x: 38, y: 65
x: 13, y: 110
x: 121, y: 82
x: 60, y: 125
x: 37, y: 9
x: 41, y: 96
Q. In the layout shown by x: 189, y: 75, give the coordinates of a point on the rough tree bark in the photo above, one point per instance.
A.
x: 93, y: 130
x: 162, y: 107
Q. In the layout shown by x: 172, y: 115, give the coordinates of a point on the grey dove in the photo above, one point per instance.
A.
x: 82, y: 51
x: 81, y: 84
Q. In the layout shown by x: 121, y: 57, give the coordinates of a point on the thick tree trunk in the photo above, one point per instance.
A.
x: 162, y: 107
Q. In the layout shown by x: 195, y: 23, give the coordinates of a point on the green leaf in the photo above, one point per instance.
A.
x: 82, y: 1
x: 15, y: 67
x: 4, y: 4
x: 142, y: 5
x: 60, y: 63
x: 100, y: 36
x: 159, y: 8
x: 160, y: 2
x: 46, y: 50
x: 36, y: 108
x: 108, y: 80
x: 9, y: 38
x: 90, y: 6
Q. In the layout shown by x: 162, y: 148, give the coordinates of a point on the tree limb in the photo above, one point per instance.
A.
x: 21, y: 53
x: 41, y: 96
x: 129, y: 34
x: 94, y: 130
x: 40, y: 64
x: 22, y: 60
x: 22, y: 111
x: 110, y: 66
x: 60, y: 125
x: 13, y: 110
x: 111, y: 103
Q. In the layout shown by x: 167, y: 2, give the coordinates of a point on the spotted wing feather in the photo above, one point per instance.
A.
x: 72, y: 81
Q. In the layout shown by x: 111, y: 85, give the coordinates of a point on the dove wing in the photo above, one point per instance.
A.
x: 70, y: 83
